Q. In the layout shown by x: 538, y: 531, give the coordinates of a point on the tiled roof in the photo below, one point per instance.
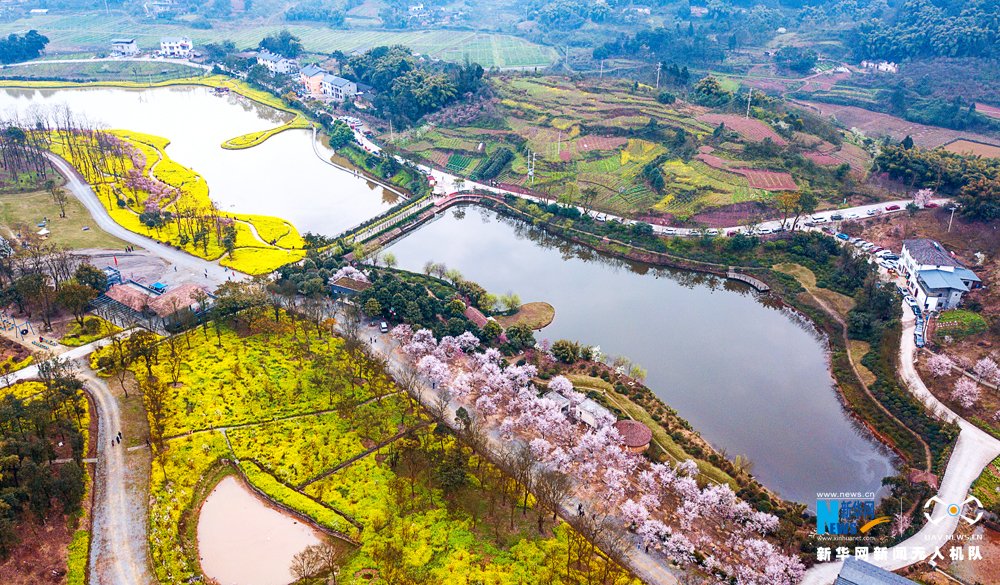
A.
x: 940, y: 279
x: 121, y: 41
x: 311, y: 70
x: 634, y: 433
x: 129, y: 296
x: 175, y: 299
x: 858, y: 572
x: 595, y: 409
x: 476, y: 316
x: 351, y: 284
x: 929, y: 252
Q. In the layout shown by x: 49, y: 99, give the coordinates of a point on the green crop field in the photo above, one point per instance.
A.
x: 138, y: 71
x: 74, y: 33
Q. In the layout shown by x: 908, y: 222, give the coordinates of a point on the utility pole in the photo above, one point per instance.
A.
x: 658, y: 66
x: 749, y: 95
x: 559, y: 144
x: 954, y: 207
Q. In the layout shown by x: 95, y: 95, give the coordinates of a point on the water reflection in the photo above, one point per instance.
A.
x: 749, y: 373
x: 282, y: 177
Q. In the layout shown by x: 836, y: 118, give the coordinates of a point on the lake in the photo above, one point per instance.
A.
x: 752, y: 378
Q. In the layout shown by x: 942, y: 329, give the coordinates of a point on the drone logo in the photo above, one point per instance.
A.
x: 954, y: 510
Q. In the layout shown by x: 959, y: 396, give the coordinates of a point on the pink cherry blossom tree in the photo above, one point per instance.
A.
x: 986, y: 369
x: 966, y: 392
x: 923, y: 197
x: 940, y: 365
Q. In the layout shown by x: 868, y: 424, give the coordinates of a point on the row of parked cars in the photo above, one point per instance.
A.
x: 885, y: 258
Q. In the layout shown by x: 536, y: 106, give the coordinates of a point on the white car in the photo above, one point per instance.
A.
x: 853, y: 216
x: 669, y: 231
x: 764, y: 230
x: 859, y: 243
x: 712, y: 232
x: 819, y: 219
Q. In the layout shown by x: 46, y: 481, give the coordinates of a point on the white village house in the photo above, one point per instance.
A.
x: 124, y: 47
x: 176, y: 46
x: 277, y: 64
x: 588, y: 412
x: 933, y: 276
x: 338, y: 88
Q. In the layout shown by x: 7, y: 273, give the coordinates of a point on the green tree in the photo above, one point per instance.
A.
x: 520, y: 335
x: 340, y: 135
x: 492, y: 330
x: 709, y: 92
x: 566, y: 351
x: 75, y: 298
x: 87, y: 275
x: 373, y: 308
x: 284, y: 43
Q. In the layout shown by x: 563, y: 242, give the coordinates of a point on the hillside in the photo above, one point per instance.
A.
x: 615, y: 142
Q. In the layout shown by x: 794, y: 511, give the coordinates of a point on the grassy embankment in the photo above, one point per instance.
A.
x: 294, y: 407
x: 535, y: 315
x: 250, y: 255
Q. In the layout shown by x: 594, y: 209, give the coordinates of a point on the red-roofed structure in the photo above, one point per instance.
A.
x: 635, y: 435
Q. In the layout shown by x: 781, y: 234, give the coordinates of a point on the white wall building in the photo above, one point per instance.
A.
x: 277, y: 64
x: 593, y: 414
x: 124, y: 47
x: 933, y: 276
x: 176, y: 46
x: 338, y: 88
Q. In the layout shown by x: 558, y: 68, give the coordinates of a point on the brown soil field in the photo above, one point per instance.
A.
x: 875, y: 124
x: 963, y: 146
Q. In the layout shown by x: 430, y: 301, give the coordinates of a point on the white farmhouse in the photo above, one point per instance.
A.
x: 277, y: 64
x: 124, y: 47
x: 176, y: 46
x: 338, y: 88
x: 933, y: 276
x: 593, y: 414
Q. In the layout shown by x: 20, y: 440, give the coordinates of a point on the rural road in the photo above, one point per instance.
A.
x: 199, y: 271
x: 118, y: 548
x: 118, y: 551
x: 974, y: 450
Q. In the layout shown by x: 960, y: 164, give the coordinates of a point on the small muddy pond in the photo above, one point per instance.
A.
x: 242, y: 541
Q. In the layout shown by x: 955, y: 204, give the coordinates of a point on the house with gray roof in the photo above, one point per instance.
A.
x: 933, y: 276
x: 126, y: 47
x: 276, y: 64
x: 858, y: 572
x: 311, y: 77
x: 593, y: 414
x: 176, y: 46
x: 338, y: 88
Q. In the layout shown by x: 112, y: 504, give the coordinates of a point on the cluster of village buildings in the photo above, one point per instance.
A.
x: 314, y: 79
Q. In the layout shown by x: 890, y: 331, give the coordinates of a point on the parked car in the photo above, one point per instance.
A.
x: 853, y: 216
x: 827, y: 230
x: 876, y: 249
x: 764, y: 230
x: 669, y: 231
x: 731, y: 233
x: 842, y: 236
x: 932, y: 205
x: 852, y: 240
x: 819, y: 219
x: 383, y: 327
x: 892, y: 207
x: 712, y: 232
x: 867, y: 246
x: 871, y: 212
x: 859, y: 243
x: 836, y: 217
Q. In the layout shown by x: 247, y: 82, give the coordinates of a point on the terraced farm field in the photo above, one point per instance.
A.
x: 616, y: 140
x: 93, y: 32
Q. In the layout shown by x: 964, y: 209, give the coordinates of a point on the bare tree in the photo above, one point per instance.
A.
x: 552, y: 489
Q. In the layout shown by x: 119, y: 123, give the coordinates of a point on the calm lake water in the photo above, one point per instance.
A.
x: 281, y: 177
x: 242, y: 541
x: 752, y: 378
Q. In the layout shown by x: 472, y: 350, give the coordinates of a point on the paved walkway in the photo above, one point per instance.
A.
x: 974, y: 450
x: 200, y: 271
